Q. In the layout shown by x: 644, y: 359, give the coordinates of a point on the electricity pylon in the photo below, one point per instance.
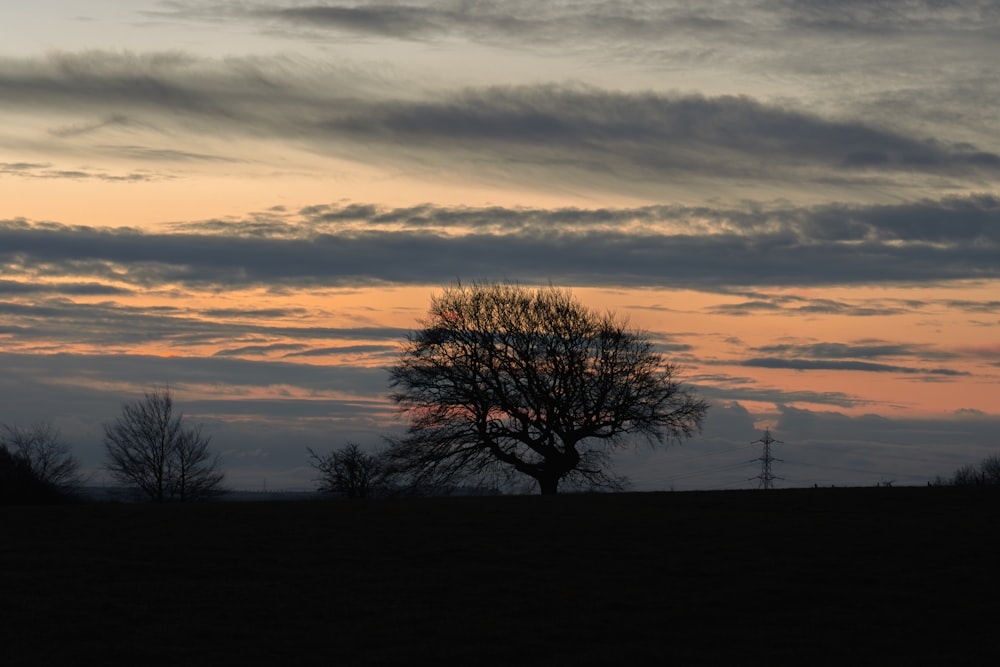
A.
x: 766, y: 477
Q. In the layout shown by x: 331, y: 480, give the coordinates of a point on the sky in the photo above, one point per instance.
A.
x: 253, y: 203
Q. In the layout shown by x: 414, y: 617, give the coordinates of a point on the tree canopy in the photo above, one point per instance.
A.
x: 504, y: 380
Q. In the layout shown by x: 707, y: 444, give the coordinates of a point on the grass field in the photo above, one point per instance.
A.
x: 809, y: 576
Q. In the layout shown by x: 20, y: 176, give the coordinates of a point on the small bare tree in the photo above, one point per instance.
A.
x: 45, y: 453
x: 348, y: 471
x: 149, y: 447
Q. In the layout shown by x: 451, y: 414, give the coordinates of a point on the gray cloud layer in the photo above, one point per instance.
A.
x: 573, y: 134
x: 842, y: 365
x: 908, y: 62
x: 570, y: 22
x: 926, y: 242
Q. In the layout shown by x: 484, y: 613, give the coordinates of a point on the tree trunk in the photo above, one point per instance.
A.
x: 548, y: 486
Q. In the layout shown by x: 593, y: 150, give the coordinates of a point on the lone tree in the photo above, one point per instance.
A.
x: 44, y: 452
x: 150, y: 448
x: 504, y: 379
x: 348, y: 471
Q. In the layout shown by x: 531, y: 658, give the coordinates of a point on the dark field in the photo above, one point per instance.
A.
x: 826, y: 576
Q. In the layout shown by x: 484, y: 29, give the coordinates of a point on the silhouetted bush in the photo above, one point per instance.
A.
x: 19, y: 485
x: 349, y: 471
x: 42, y: 448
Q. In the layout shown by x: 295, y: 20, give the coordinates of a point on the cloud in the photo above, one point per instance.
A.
x: 721, y: 249
x: 258, y: 350
x: 840, y: 365
x: 538, y: 24
x: 722, y: 390
x: 987, y: 352
x: 647, y: 135
x: 44, y: 171
x: 877, y: 18
x: 81, y: 129
x: 974, y: 306
x: 864, y: 350
x: 395, y: 21
x: 21, y: 167
x: 14, y: 287
x: 60, y: 323
x: 383, y: 350
x: 574, y: 134
x: 138, y: 370
x: 145, y: 153
x: 795, y: 305
x: 524, y: 23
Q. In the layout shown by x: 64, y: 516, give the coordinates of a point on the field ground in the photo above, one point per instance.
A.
x: 808, y: 576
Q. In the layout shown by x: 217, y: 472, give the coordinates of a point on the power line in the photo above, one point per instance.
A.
x: 700, y: 472
x: 859, y: 470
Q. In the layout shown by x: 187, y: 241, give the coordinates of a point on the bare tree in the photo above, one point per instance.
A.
x: 966, y: 475
x: 986, y: 473
x: 348, y: 471
x: 989, y: 468
x: 149, y: 447
x: 46, y: 454
x: 503, y: 380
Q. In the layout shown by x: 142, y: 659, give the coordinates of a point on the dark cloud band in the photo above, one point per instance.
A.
x: 925, y: 242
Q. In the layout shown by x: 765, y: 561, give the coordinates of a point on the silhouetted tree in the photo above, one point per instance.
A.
x: 19, y: 484
x: 150, y: 448
x: 504, y: 380
x: 348, y: 471
x: 44, y: 451
x: 987, y: 472
x: 966, y: 475
x: 989, y: 468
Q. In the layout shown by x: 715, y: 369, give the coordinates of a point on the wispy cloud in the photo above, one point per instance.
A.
x: 861, y: 350
x: 749, y: 392
x: 46, y: 171
x: 19, y: 288
x: 574, y: 133
x: 258, y: 350
x: 59, y: 323
x: 844, y: 365
x: 565, y: 23
x: 911, y: 63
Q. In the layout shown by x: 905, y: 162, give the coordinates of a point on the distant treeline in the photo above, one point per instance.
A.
x: 987, y: 473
